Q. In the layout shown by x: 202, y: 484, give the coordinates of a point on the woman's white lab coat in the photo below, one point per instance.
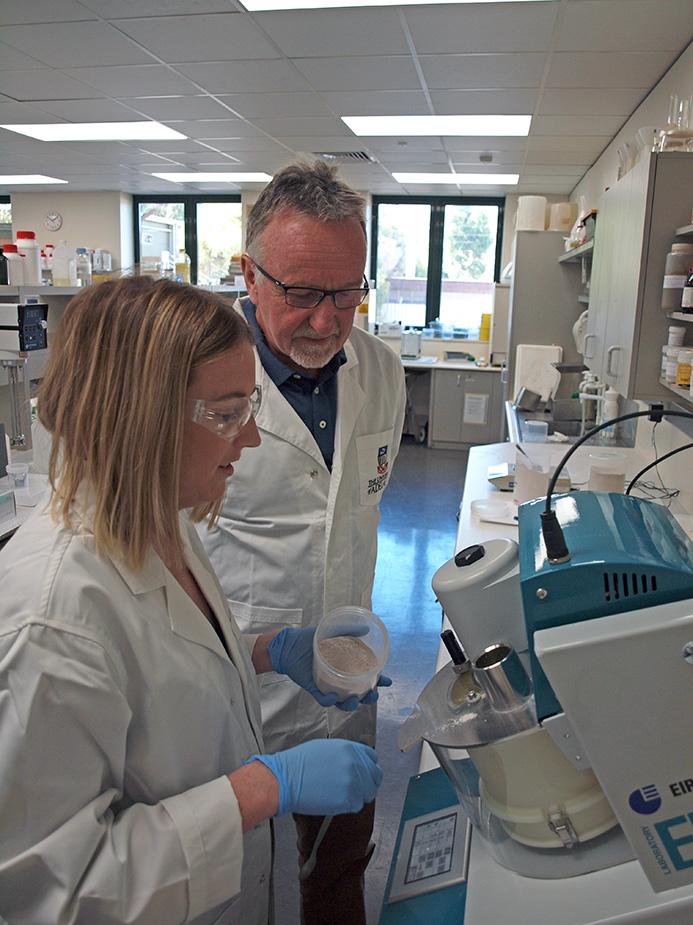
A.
x: 294, y: 540
x: 120, y: 715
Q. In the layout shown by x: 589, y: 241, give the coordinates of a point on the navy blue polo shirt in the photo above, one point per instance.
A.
x: 313, y: 399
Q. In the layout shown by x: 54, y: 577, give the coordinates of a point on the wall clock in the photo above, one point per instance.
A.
x: 53, y: 221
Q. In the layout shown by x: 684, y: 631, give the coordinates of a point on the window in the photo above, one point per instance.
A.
x: 208, y: 228
x: 436, y: 258
x: 5, y: 218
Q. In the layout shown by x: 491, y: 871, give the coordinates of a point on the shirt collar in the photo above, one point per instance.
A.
x: 278, y: 371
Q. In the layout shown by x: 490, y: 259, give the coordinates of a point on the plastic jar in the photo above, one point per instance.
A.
x: 15, y: 265
x: 683, y: 368
x: 64, y: 266
x: 607, y: 472
x: 672, y: 363
x: 676, y: 270
x: 83, y: 267
x: 28, y: 246
x: 345, y: 663
x: 677, y: 335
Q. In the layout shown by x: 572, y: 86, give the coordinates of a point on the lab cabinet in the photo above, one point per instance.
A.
x: 465, y: 408
x: 637, y: 223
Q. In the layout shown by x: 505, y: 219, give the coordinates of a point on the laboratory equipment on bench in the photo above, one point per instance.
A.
x: 23, y: 330
x: 563, y: 719
x: 410, y: 344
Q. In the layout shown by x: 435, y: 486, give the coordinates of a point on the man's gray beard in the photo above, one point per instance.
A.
x: 314, y: 358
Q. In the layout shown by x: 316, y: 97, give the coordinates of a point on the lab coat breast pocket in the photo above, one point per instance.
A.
x: 375, y: 461
x: 253, y: 619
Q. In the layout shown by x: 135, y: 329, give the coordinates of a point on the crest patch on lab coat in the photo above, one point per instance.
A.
x: 374, y: 455
x: 383, y: 460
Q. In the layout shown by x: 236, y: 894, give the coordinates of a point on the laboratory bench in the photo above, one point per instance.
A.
x: 453, y: 404
x: 494, y: 895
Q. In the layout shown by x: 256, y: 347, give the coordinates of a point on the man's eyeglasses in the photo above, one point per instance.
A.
x: 303, y: 297
x: 226, y: 418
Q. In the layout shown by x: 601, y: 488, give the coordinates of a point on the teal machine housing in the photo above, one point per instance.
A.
x: 625, y: 554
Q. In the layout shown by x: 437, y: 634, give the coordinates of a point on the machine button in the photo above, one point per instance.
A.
x: 469, y: 555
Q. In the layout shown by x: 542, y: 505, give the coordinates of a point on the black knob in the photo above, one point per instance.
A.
x: 469, y: 555
x: 454, y: 648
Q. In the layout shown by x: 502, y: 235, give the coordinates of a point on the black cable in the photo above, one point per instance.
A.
x: 652, y: 465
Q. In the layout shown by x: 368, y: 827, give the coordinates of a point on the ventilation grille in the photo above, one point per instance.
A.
x: 618, y: 585
x: 345, y: 157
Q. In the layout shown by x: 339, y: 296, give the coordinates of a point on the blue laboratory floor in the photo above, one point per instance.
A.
x: 417, y: 534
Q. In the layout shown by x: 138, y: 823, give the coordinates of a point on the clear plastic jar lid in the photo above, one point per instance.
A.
x: 682, y: 248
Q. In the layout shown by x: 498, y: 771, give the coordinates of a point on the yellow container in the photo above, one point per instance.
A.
x: 485, y: 327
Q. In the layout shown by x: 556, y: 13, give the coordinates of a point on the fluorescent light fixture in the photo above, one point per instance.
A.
x: 191, y: 177
x: 438, y: 125
x: 97, y: 131
x: 32, y: 179
x: 255, y: 6
x: 458, y: 179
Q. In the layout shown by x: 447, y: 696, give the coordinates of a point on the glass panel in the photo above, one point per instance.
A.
x: 6, y: 221
x: 162, y: 234
x: 469, y: 253
x: 218, y: 242
x: 402, y: 271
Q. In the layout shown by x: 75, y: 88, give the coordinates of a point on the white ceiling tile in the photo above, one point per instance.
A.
x: 403, y: 144
x: 323, y: 143
x: 136, y: 80
x: 65, y: 44
x: 266, y: 105
x: 378, y: 103
x: 209, y: 129
x: 576, y: 125
x: 626, y: 25
x: 371, y: 72
x: 607, y: 69
x: 88, y: 110
x: 494, y: 143
x: 469, y: 72
x: 303, y: 125
x: 481, y: 27
x: 585, y: 144
x: 127, y: 9
x: 31, y: 11
x: 554, y: 170
x: 209, y: 37
x: 44, y: 84
x: 177, y: 107
x: 231, y: 145
x: 11, y: 58
x: 403, y: 161
x: 245, y: 76
x: 321, y: 33
x: 462, y: 102
x: 24, y: 114
x: 504, y: 159
x: 549, y: 187
x: 172, y: 146
x: 564, y: 158
x: 585, y: 102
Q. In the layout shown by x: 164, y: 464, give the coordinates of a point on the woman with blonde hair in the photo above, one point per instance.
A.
x: 133, y: 788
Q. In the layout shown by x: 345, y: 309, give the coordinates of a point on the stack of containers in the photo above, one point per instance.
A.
x: 675, y: 354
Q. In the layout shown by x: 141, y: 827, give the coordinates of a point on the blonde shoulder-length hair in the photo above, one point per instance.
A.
x: 113, y: 398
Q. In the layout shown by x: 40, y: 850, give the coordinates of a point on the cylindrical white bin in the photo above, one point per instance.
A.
x: 531, y: 213
x: 562, y: 216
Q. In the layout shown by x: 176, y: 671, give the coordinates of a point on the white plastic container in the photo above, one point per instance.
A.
x: 83, y: 267
x: 607, y: 472
x: 64, y: 266
x: 531, y: 213
x: 677, y: 335
x: 535, y: 431
x: 28, y: 246
x: 15, y: 265
x: 562, y: 216
x: 348, y: 664
x: 19, y: 475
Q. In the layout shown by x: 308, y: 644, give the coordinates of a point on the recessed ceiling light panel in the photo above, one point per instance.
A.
x: 97, y: 131
x: 438, y: 125
x: 255, y: 6
x: 28, y: 179
x: 191, y: 177
x: 458, y: 179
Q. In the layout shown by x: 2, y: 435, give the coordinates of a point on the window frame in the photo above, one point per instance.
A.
x: 190, y: 203
x: 434, y: 278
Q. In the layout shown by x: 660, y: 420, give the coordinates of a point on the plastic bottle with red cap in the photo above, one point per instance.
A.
x: 28, y: 247
x: 15, y: 265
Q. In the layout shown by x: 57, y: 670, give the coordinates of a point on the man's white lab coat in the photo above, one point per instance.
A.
x: 295, y: 541
x: 120, y: 715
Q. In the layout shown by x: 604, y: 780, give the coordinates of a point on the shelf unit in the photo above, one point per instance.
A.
x: 681, y: 392
x: 679, y: 316
x: 577, y: 252
x: 686, y: 229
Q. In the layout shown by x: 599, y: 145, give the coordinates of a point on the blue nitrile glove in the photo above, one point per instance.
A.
x: 291, y: 653
x: 305, y: 786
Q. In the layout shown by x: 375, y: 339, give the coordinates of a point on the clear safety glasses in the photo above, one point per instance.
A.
x: 226, y: 418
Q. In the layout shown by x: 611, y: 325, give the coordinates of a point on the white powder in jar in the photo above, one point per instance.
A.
x: 348, y: 654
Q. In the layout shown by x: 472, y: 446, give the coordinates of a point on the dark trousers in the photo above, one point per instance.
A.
x: 333, y: 894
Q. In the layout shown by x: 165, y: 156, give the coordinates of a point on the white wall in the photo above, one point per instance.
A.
x: 651, y: 112
x: 89, y: 220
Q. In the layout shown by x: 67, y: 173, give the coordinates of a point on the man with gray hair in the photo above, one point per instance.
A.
x: 331, y: 421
